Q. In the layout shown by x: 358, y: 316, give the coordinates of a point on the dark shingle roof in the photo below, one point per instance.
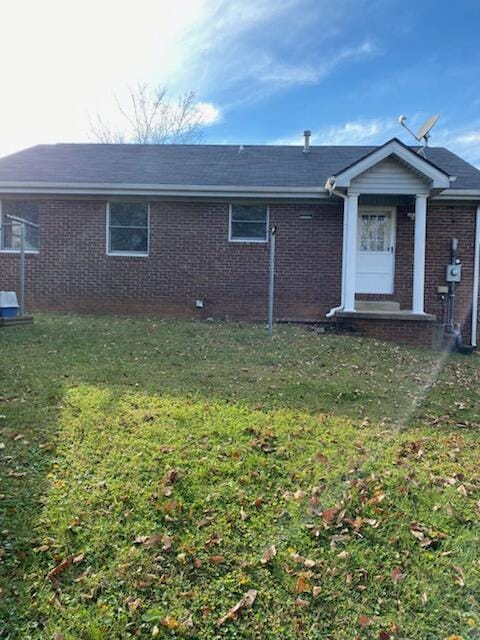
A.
x: 202, y: 165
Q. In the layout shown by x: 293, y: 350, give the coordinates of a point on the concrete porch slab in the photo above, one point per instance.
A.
x: 377, y: 305
x: 404, y: 314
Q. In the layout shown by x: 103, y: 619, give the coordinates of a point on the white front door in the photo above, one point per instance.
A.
x: 375, y: 250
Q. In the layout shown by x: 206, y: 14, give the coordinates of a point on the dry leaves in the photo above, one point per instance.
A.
x: 63, y: 565
x: 245, y: 603
x: 397, y: 575
x: 269, y: 553
x: 364, y: 620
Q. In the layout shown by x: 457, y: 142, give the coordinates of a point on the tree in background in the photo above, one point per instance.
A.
x: 149, y: 117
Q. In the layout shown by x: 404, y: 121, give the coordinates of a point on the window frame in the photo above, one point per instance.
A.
x: 131, y: 254
x: 248, y: 240
x: 3, y: 250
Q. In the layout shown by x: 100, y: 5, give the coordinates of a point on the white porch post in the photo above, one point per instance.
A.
x: 419, y: 253
x: 351, y: 251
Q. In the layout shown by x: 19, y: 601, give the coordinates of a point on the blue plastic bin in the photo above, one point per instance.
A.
x: 8, y: 304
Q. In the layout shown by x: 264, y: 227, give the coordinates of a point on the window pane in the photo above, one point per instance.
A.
x: 10, y: 235
x: 249, y: 230
x: 129, y: 240
x: 128, y: 214
x: 249, y: 213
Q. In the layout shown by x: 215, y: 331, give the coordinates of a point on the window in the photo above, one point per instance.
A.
x: 127, y: 228
x: 374, y: 232
x: 248, y: 223
x: 10, y: 230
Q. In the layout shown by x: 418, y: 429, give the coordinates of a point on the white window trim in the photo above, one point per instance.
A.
x: 132, y: 254
x: 248, y: 240
x: 17, y: 251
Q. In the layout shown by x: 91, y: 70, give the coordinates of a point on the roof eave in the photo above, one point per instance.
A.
x: 113, y: 189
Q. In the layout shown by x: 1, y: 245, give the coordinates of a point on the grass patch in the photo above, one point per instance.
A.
x: 357, y: 460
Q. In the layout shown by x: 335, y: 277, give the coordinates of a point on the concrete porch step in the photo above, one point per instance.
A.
x: 377, y: 306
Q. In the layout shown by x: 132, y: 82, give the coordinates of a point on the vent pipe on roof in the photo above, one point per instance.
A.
x: 306, y: 140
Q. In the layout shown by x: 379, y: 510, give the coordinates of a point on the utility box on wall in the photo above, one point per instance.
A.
x: 8, y: 304
x: 454, y: 273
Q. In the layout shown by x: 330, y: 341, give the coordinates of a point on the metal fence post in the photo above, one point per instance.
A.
x: 271, y: 280
x: 22, y: 269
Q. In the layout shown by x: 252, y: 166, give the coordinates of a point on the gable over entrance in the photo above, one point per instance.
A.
x: 393, y: 161
x: 391, y: 176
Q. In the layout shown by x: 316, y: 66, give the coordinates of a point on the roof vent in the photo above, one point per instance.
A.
x: 240, y: 148
x: 306, y: 140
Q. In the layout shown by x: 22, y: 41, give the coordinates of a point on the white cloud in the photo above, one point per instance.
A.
x: 467, y: 139
x: 464, y: 141
x: 208, y: 113
x: 357, y: 132
x: 375, y: 131
x: 279, y: 75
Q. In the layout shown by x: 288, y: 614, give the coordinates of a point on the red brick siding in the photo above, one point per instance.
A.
x: 408, y: 332
x: 190, y: 257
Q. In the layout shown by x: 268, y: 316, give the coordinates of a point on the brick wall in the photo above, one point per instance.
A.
x: 190, y: 257
x: 409, y: 332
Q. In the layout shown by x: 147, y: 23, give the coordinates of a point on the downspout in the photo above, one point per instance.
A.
x: 476, y: 276
x: 330, y: 187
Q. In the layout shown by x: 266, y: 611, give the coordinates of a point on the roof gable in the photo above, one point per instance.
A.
x: 391, y: 175
x: 438, y: 178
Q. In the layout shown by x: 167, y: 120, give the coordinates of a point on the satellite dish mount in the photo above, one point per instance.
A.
x: 423, y: 134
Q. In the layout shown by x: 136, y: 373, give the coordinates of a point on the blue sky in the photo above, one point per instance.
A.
x: 263, y: 70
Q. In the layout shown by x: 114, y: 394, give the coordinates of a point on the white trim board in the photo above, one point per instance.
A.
x: 211, y: 191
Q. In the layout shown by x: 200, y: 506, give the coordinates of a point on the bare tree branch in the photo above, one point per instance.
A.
x: 150, y: 118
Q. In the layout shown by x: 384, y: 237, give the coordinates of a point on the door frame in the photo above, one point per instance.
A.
x: 393, y: 238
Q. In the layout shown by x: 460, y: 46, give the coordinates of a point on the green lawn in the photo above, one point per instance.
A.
x: 148, y: 467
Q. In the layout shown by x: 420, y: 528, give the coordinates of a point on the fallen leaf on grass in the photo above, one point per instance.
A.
x: 328, y: 515
x: 460, y: 577
x: 245, y: 603
x: 171, y: 476
x: 133, y: 604
x: 303, y: 584
x: 269, y: 553
x: 364, y: 620
x: 217, y: 559
x: 148, y: 542
x: 300, y: 602
x: 64, y: 564
x: 398, y: 575
x: 205, y: 521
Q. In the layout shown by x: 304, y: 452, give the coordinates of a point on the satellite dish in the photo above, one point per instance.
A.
x: 423, y: 134
x: 424, y: 130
